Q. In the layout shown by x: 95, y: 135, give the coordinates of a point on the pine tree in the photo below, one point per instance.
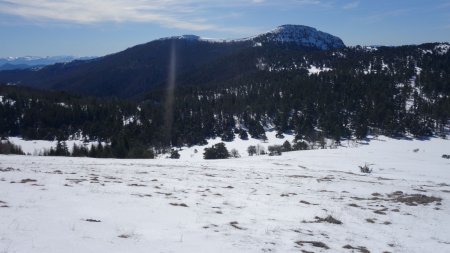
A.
x: 287, y: 146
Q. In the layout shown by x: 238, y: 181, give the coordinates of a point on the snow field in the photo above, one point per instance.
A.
x: 251, y: 204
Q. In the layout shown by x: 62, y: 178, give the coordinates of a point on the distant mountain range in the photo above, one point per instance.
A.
x: 27, y: 62
x: 140, y: 68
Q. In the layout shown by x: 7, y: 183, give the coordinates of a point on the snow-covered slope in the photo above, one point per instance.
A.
x: 196, y: 152
x: 305, y: 201
x: 37, y: 147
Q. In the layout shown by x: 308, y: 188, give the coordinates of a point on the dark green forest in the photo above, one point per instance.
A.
x: 394, y: 91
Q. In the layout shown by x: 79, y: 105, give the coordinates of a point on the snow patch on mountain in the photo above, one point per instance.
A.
x: 442, y: 49
x: 313, y: 70
x: 302, y: 36
x: 131, y: 120
x: 439, y: 49
x: 297, y: 34
x: 7, y: 101
x: 370, y: 49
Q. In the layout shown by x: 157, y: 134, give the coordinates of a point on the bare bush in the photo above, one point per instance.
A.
x: 234, y: 153
x: 365, y: 169
x: 251, y: 150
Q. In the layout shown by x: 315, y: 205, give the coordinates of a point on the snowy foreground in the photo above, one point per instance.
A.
x: 291, y: 203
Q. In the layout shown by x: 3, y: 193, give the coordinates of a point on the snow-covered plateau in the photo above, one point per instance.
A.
x: 302, y: 201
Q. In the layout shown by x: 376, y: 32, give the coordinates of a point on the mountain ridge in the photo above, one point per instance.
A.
x: 143, y: 67
x: 139, y: 69
x: 288, y: 33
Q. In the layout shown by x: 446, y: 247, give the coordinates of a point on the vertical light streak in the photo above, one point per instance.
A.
x: 169, y: 103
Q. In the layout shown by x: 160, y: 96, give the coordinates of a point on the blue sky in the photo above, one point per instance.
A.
x: 99, y: 27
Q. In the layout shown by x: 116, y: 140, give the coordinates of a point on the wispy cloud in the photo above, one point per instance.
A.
x: 351, y: 5
x: 181, y: 14
x: 308, y: 2
x: 377, y: 17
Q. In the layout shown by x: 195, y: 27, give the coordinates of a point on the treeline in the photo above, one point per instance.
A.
x: 8, y: 148
x: 99, y: 150
x: 127, y: 129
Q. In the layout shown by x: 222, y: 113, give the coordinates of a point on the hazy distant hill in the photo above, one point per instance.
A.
x: 28, y: 62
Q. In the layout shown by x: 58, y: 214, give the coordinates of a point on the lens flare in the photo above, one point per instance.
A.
x: 169, y: 103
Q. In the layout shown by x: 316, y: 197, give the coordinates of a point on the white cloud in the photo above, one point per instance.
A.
x: 182, y: 14
x: 193, y: 15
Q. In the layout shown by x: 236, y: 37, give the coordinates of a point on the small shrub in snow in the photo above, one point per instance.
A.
x: 256, y: 150
x: 446, y: 156
x: 174, y: 154
x: 275, y: 150
x: 260, y: 150
x: 313, y: 243
x: 251, y: 150
x: 287, y: 146
x: 300, y: 145
x: 234, y: 153
x: 365, y: 169
x: 328, y: 219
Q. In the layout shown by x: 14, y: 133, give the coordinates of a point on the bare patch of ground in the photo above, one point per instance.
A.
x: 235, y: 224
x: 8, y: 169
x: 329, y: 219
x: 93, y: 220
x: 359, y: 248
x: 313, y: 243
x: 413, y: 199
x: 178, y: 204
x: 24, y: 181
x: 137, y: 185
x: 3, y: 204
